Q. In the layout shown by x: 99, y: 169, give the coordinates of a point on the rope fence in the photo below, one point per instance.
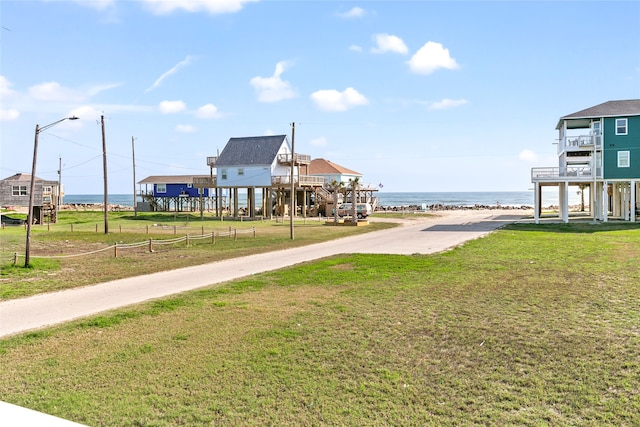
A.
x: 232, y: 233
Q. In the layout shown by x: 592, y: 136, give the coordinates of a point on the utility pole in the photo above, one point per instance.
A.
x: 135, y: 197
x: 293, y: 185
x: 104, y: 167
x: 59, y: 201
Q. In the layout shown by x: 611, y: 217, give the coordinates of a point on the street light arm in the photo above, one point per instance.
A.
x: 32, y: 187
x: 40, y: 129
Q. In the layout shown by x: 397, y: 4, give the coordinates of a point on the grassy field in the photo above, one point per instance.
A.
x: 532, y: 325
x: 52, y: 274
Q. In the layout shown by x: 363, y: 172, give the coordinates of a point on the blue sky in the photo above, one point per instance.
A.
x: 416, y: 95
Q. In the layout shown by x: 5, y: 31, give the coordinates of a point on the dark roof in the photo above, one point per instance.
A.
x: 629, y: 107
x: 26, y: 178
x: 251, y: 151
x: 325, y: 167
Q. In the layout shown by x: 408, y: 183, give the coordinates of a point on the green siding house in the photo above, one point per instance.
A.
x: 598, y: 149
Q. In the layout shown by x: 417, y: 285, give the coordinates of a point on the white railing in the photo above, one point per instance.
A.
x: 580, y: 142
x: 299, y: 158
x: 578, y: 172
x: 300, y: 180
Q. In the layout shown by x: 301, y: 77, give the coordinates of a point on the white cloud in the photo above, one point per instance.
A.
x: 273, y: 89
x: 208, y: 111
x: 528, y: 156
x: 86, y: 113
x: 332, y: 100
x: 431, y: 57
x: 5, y: 87
x: 355, y: 12
x: 97, y: 4
x: 173, y: 70
x: 319, y: 142
x: 94, y: 90
x: 186, y: 129
x: 355, y: 48
x: 389, y: 43
x: 53, y: 91
x: 170, y: 107
x: 448, y: 103
x: 8, y: 115
x: 162, y: 7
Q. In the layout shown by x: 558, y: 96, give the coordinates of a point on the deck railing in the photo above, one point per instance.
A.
x: 204, y: 182
x: 300, y: 159
x: 300, y: 180
x: 580, y: 142
x: 569, y: 172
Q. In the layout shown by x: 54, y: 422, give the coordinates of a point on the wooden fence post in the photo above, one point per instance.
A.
x: 150, y: 246
x: 213, y: 237
x: 187, y: 240
x: 147, y: 228
x: 72, y: 228
x: 15, y: 258
x: 175, y: 230
x: 115, y: 250
x: 235, y: 234
x: 254, y: 232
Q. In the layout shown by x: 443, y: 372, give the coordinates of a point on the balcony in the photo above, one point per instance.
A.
x: 580, y: 143
x: 300, y: 159
x: 204, y: 182
x: 302, y: 180
x: 568, y: 173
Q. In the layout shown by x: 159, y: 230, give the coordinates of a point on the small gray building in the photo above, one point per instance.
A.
x: 14, y: 192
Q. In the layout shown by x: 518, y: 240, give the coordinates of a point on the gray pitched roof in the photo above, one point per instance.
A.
x: 629, y: 107
x: 251, y: 151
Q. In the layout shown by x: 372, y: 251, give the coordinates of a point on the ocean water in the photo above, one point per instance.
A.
x: 487, y: 198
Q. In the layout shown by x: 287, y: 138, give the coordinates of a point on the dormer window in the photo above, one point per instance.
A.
x: 621, y: 126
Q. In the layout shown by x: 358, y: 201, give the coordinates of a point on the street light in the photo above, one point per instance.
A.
x: 33, y: 184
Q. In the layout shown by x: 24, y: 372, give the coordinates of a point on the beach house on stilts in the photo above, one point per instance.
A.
x: 263, y: 166
x: 598, y: 149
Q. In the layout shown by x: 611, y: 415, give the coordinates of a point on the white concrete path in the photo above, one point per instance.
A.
x: 419, y: 236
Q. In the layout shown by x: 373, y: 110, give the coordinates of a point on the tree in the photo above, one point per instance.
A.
x: 336, y: 187
x: 582, y: 187
x: 354, y: 186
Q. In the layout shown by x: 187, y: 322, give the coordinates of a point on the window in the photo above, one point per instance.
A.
x: 621, y: 126
x: 18, y: 190
x: 161, y: 188
x: 624, y: 160
x: 240, y: 171
x: 595, y: 126
x: 223, y: 172
x: 46, y: 189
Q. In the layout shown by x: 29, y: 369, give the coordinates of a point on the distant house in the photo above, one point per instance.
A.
x: 598, y: 149
x: 263, y: 163
x: 330, y: 171
x: 14, y: 191
x: 169, y: 192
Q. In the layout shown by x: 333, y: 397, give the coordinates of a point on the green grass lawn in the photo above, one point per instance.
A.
x: 532, y: 325
x: 68, y: 271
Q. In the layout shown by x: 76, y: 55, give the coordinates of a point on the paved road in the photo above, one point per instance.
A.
x: 418, y: 236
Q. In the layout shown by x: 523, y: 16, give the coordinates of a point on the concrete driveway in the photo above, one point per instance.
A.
x: 418, y: 235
